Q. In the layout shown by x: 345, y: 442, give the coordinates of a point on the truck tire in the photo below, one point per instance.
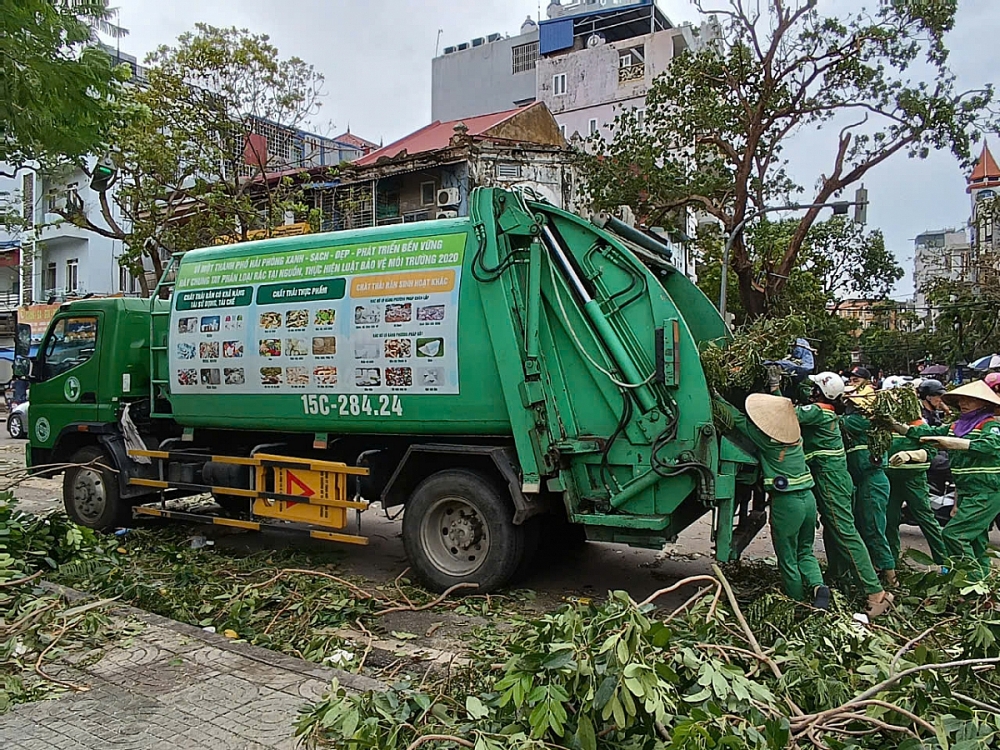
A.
x: 90, y: 493
x: 458, y: 528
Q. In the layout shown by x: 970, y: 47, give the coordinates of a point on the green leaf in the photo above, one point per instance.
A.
x: 605, y: 691
x: 586, y: 737
x: 475, y: 708
x: 402, y: 635
x: 558, y: 660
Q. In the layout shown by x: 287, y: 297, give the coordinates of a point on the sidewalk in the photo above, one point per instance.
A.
x: 175, y: 687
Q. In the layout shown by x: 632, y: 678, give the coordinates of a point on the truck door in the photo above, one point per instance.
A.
x: 66, y: 377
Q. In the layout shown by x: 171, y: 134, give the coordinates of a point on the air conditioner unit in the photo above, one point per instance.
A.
x: 447, y: 215
x: 448, y: 197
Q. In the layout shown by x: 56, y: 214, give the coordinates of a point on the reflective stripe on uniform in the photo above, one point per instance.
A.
x: 981, y: 470
x: 793, y: 482
x: 815, y: 454
x: 857, y: 448
x: 910, y: 467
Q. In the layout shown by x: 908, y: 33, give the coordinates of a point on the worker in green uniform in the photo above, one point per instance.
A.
x: 973, y: 444
x: 827, y: 460
x: 871, y: 489
x: 777, y: 437
x: 907, y: 474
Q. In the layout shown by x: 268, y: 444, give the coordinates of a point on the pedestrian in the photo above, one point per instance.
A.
x: 20, y: 392
x: 827, y: 461
x: 871, y: 489
x: 932, y: 406
x: 993, y: 381
x: 775, y: 433
x: 860, y: 379
x: 973, y: 444
x: 909, y: 462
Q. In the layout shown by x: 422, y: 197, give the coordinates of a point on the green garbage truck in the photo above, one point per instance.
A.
x: 516, y: 374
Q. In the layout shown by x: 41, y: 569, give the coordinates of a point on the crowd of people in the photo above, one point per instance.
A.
x: 816, y: 462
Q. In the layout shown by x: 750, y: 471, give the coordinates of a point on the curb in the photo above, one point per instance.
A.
x: 351, y: 682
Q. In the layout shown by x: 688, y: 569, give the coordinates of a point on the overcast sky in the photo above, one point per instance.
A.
x: 376, y: 56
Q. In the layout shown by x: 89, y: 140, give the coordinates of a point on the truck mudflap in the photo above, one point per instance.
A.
x: 303, y: 495
x: 412, y: 469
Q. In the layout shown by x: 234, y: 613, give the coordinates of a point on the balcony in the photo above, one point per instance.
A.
x: 631, y: 74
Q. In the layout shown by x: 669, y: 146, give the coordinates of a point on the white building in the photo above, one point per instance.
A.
x: 939, y: 255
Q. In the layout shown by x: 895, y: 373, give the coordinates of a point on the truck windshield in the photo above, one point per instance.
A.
x: 70, y: 343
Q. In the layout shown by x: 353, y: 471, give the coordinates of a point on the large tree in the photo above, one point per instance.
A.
x: 56, y: 84
x: 716, y: 124
x: 839, y: 261
x: 192, y: 162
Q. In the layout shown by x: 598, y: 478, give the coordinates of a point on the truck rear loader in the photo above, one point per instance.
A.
x: 519, y: 373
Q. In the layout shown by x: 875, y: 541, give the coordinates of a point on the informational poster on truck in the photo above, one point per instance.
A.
x: 378, y: 318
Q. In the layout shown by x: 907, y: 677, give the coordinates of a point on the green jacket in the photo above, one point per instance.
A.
x: 977, y: 470
x: 820, y: 431
x: 776, y: 459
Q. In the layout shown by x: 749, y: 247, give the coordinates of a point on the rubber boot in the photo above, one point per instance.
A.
x: 821, y: 597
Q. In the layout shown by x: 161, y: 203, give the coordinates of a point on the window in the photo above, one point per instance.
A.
x: 523, y: 57
x: 592, y: 126
x: 49, y: 281
x: 640, y: 118
x: 72, y: 275
x: 559, y: 84
x: 508, y: 170
x: 562, y: 130
x: 428, y: 193
x: 631, y: 65
x: 69, y: 344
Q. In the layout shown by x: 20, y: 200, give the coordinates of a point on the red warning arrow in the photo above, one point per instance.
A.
x: 292, y: 481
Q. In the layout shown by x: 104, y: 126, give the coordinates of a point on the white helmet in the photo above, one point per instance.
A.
x: 894, y: 381
x: 830, y: 384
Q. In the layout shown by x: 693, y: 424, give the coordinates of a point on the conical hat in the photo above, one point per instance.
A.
x: 775, y: 416
x: 976, y: 389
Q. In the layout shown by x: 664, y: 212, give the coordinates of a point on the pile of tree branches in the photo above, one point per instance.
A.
x: 740, y: 363
x: 38, y: 626
x: 712, y: 672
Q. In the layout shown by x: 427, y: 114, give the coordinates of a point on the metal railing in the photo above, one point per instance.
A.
x: 631, y: 73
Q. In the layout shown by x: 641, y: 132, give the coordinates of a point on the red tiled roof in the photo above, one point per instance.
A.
x: 356, y: 141
x: 437, y: 136
x: 986, y: 168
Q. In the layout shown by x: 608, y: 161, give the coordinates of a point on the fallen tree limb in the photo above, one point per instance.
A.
x: 429, y: 605
x: 18, y: 581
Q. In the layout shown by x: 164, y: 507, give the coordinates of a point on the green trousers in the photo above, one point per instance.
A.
x: 909, y: 487
x: 967, y: 535
x: 871, y: 501
x: 793, y: 533
x: 845, y: 550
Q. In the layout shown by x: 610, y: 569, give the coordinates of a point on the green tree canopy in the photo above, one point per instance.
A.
x: 716, y: 124
x: 192, y: 167
x: 838, y: 261
x: 56, y: 84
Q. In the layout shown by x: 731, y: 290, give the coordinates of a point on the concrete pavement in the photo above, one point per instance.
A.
x: 174, y: 687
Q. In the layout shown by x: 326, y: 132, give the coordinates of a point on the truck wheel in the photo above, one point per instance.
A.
x: 90, y: 492
x: 458, y: 528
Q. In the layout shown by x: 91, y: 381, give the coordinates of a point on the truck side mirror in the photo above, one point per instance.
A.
x: 22, y: 367
x: 22, y: 343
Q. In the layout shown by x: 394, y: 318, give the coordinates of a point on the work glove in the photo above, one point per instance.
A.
x: 773, y: 378
x: 908, y: 457
x: 899, y: 428
x: 948, y: 443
